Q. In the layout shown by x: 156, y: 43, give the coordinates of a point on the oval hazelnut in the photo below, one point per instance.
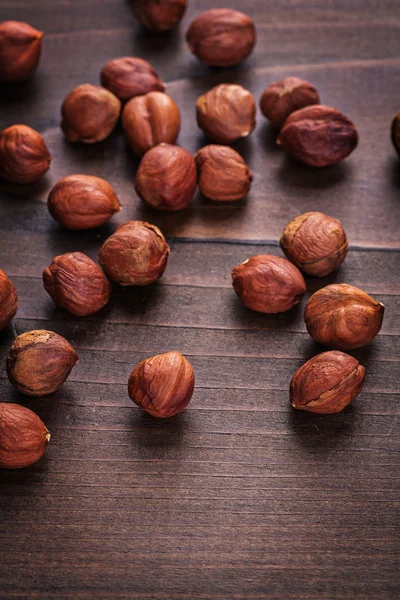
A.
x: 283, y: 97
x: 39, y: 362
x: 150, y: 120
x: 23, y: 436
x: 226, y: 113
x: 315, y: 243
x: 318, y: 136
x: 75, y: 282
x: 20, y: 49
x: 221, y: 37
x: 162, y: 385
x: 223, y: 174
x: 327, y: 383
x: 159, y: 15
x: 268, y: 284
x: 343, y: 317
x: 167, y: 177
x: 129, y: 76
x: 8, y: 300
x: 136, y: 254
x: 396, y: 133
x: 82, y: 202
x: 24, y: 157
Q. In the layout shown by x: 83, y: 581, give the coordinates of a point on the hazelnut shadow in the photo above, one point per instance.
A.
x: 254, y: 320
x: 268, y: 136
x: 393, y: 169
x: 292, y: 175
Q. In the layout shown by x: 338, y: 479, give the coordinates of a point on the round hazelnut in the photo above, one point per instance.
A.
x: 268, y: 284
x: 129, y: 76
x: 223, y: 174
x: 82, y: 202
x: 23, y: 436
x: 396, y: 133
x: 24, y: 157
x: 8, y: 300
x: 343, y: 317
x: 221, y: 37
x: 136, y: 254
x: 89, y: 114
x: 150, y: 120
x: 282, y: 98
x: 20, y: 48
x: 327, y: 383
x: 39, y: 362
x: 315, y: 243
x: 162, y: 385
x: 318, y: 136
x: 167, y: 177
x: 226, y: 113
x: 159, y: 15
x: 76, y: 283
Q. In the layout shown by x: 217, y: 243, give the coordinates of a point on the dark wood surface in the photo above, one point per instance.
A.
x: 239, y: 496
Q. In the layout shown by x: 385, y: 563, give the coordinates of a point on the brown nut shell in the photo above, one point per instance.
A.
x: 39, y: 362
x: 8, y: 300
x: 129, y: 76
x: 24, y: 157
x: 223, y: 174
x: 159, y: 15
x: 136, y: 254
x: 150, y: 120
x: 23, y: 436
x: 315, y: 243
x: 226, y: 113
x: 283, y: 97
x: 268, y: 284
x: 162, y: 385
x: 343, y: 317
x: 221, y: 37
x: 327, y: 383
x: 20, y: 49
x: 167, y: 178
x: 395, y: 133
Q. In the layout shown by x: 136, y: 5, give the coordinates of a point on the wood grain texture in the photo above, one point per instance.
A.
x: 238, y: 497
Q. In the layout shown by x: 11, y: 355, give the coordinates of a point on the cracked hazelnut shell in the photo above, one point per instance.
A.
x: 129, y: 76
x: 159, y: 15
x: 223, y: 174
x: 283, y: 97
x: 24, y: 157
x: 20, y: 49
x: 8, y: 300
x: 23, y: 436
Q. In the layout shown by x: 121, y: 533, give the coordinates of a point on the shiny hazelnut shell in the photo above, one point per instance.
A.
x: 223, y: 174
x: 23, y: 436
x: 24, y: 157
x: 283, y: 97
x: 159, y: 15
x: 20, y: 50
x: 129, y: 76
x: 8, y: 300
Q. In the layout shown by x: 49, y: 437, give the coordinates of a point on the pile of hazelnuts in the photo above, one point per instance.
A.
x: 339, y: 316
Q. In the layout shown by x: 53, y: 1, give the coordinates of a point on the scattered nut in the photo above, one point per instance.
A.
x: 396, y: 133
x: 223, y: 174
x: 39, y: 362
x: 282, y: 98
x: 8, y: 300
x: 226, y: 113
x: 327, y: 383
x: 221, y: 37
x: 167, y: 177
x: 315, y: 243
x: 268, y: 284
x: 343, y: 317
x: 23, y: 436
x: 129, y: 76
x: 318, y: 136
x: 20, y: 48
x: 159, y: 15
x: 24, y: 157
x: 162, y: 385
x: 136, y: 254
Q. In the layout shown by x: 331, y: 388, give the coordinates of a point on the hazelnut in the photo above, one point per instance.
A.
x: 282, y: 98
x: 396, y: 133
x: 129, y: 76
x: 318, y: 136
x: 20, y: 48
x: 327, y: 383
x: 268, y: 284
x: 89, y: 114
x: 76, y: 283
x: 223, y: 174
x: 8, y: 300
x: 150, y: 120
x: 136, y: 254
x: 23, y: 436
x: 162, y: 385
x: 343, y: 317
x: 315, y: 243
x: 167, y: 177
x: 221, y: 37
x: 39, y: 362
x: 82, y: 202
x: 159, y: 15
x: 226, y: 113
x: 24, y: 157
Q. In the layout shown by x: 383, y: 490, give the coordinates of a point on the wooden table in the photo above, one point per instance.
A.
x: 239, y: 496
